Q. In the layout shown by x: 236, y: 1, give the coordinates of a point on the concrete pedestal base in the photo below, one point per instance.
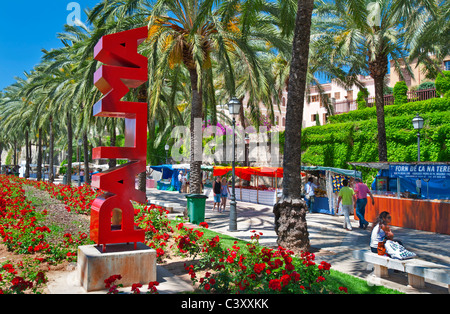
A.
x: 134, y: 265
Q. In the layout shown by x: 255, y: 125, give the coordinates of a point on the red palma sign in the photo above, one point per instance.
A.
x: 123, y: 68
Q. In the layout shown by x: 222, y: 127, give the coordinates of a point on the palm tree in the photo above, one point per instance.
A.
x: 290, y: 220
x: 368, y: 38
x: 432, y: 23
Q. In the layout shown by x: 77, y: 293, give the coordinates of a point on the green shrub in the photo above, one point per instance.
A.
x: 443, y: 84
x: 400, y: 90
x: 387, y: 90
x: 361, y: 98
x: 426, y: 85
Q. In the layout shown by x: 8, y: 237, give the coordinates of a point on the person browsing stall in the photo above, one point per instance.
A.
x: 348, y: 198
x: 361, y: 201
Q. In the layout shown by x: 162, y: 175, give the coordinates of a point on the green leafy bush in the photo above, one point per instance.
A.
x: 443, y: 84
x: 400, y: 90
x: 426, y: 85
x: 361, y: 98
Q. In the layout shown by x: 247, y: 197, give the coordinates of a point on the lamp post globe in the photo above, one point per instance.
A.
x: 417, y: 122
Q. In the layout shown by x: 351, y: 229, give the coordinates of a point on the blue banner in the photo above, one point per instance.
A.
x: 428, y: 171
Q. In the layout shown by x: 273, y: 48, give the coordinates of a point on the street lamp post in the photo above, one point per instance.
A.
x: 79, y: 166
x: 417, y: 122
x: 234, y: 106
x: 167, y: 147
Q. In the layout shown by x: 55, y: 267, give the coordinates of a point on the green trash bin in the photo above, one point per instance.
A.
x: 196, y: 207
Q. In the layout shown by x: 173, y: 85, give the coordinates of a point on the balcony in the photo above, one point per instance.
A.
x: 350, y: 105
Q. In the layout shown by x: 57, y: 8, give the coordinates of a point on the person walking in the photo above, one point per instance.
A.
x: 217, y: 189
x: 347, y: 195
x: 310, y: 187
x: 224, y: 194
x: 180, y: 181
x: 361, y: 201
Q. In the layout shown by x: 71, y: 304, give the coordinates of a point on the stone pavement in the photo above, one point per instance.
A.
x: 329, y: 240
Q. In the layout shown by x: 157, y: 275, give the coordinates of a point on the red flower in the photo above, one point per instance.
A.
x: 324, y: 266
x: 275, y: 284
x: 135, y: 288
x: 295, y: 276
x: 285, y: 279
x: 289, y: 267
x: 258, y: 268
x: 111, y: 280
x: 343, y: 289
x: 152, y: 287
x: 320, y: 279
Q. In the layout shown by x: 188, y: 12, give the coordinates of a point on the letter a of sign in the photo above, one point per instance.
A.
x: 112, y: 214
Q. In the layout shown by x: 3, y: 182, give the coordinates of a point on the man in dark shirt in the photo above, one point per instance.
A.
x: 217, y: 190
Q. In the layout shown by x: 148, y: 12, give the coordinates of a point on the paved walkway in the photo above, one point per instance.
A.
x: 331, y: 242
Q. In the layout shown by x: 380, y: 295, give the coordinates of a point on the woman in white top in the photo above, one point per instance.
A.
x: 381, y: 231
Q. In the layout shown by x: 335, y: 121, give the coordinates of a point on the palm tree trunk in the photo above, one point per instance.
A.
x: 112, y: 141
x: 290, y: 211
x: 87, y: 179
x: 50, y: 173
x: 15, y: 153
x: 30, y: 153
x: 195, y: 179
x: 39, y: 159
x: 241, y: 114
x: 378, y: 70
x: 69, y: 149
x: 27, y: 157
x: 142, y: 177
x: 379, y: 102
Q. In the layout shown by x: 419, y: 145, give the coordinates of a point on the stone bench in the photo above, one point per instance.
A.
x: 417, y: 270
x: 169, y: 206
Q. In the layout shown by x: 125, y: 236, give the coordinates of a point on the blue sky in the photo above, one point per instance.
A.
x: 27, y: 27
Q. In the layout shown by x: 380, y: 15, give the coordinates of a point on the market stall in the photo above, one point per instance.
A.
x: 258, y: 193
x: 416, y: 194
x: 169, y: 178
x: 329, y: 181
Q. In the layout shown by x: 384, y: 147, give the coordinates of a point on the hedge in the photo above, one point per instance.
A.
x: 400, y: 93
x: 336, y: 144
x: 420, y: 107
x: 344, y: 140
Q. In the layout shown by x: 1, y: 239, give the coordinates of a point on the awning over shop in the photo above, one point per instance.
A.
x: 385, y: 165
x: 188, y: 167
x: 246, y: 172
x: 345, y: 172
x: 167, y: 171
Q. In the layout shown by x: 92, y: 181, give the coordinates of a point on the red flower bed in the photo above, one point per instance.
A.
x: 77, y: 199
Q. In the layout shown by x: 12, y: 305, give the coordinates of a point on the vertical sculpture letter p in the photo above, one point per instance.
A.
x: 112, y: 214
